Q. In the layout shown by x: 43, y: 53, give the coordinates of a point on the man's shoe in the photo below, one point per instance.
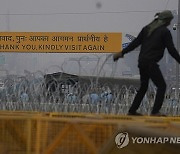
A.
x: 158, y: 114
x: 134, y: 114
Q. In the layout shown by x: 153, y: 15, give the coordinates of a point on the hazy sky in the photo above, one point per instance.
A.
x: 79, y: 15
x: 73, y: 16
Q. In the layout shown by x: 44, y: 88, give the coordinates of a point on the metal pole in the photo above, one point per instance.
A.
x: 178, y: 48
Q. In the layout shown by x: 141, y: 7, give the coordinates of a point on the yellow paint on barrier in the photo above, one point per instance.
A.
x: 60, y: 42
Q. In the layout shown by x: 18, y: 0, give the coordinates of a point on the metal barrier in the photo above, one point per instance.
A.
x: 73, y: 133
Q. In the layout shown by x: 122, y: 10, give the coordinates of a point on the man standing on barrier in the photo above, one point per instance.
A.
x: 153, y: 38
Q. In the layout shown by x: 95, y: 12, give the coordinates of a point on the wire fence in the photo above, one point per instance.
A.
x: 69, y: 93
x: 35, y: 96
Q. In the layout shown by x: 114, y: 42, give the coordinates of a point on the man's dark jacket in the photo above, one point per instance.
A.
x: 153, y: 46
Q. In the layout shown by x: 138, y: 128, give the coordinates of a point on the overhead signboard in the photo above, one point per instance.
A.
x: 54, y: 42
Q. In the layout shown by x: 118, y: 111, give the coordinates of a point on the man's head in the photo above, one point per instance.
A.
x: 161, y: 19
x: 166, y: 16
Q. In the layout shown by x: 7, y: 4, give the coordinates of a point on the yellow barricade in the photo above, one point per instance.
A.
x: 74, y: 133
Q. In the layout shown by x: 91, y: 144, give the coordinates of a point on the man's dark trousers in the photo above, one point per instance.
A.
x: 153, y: 72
